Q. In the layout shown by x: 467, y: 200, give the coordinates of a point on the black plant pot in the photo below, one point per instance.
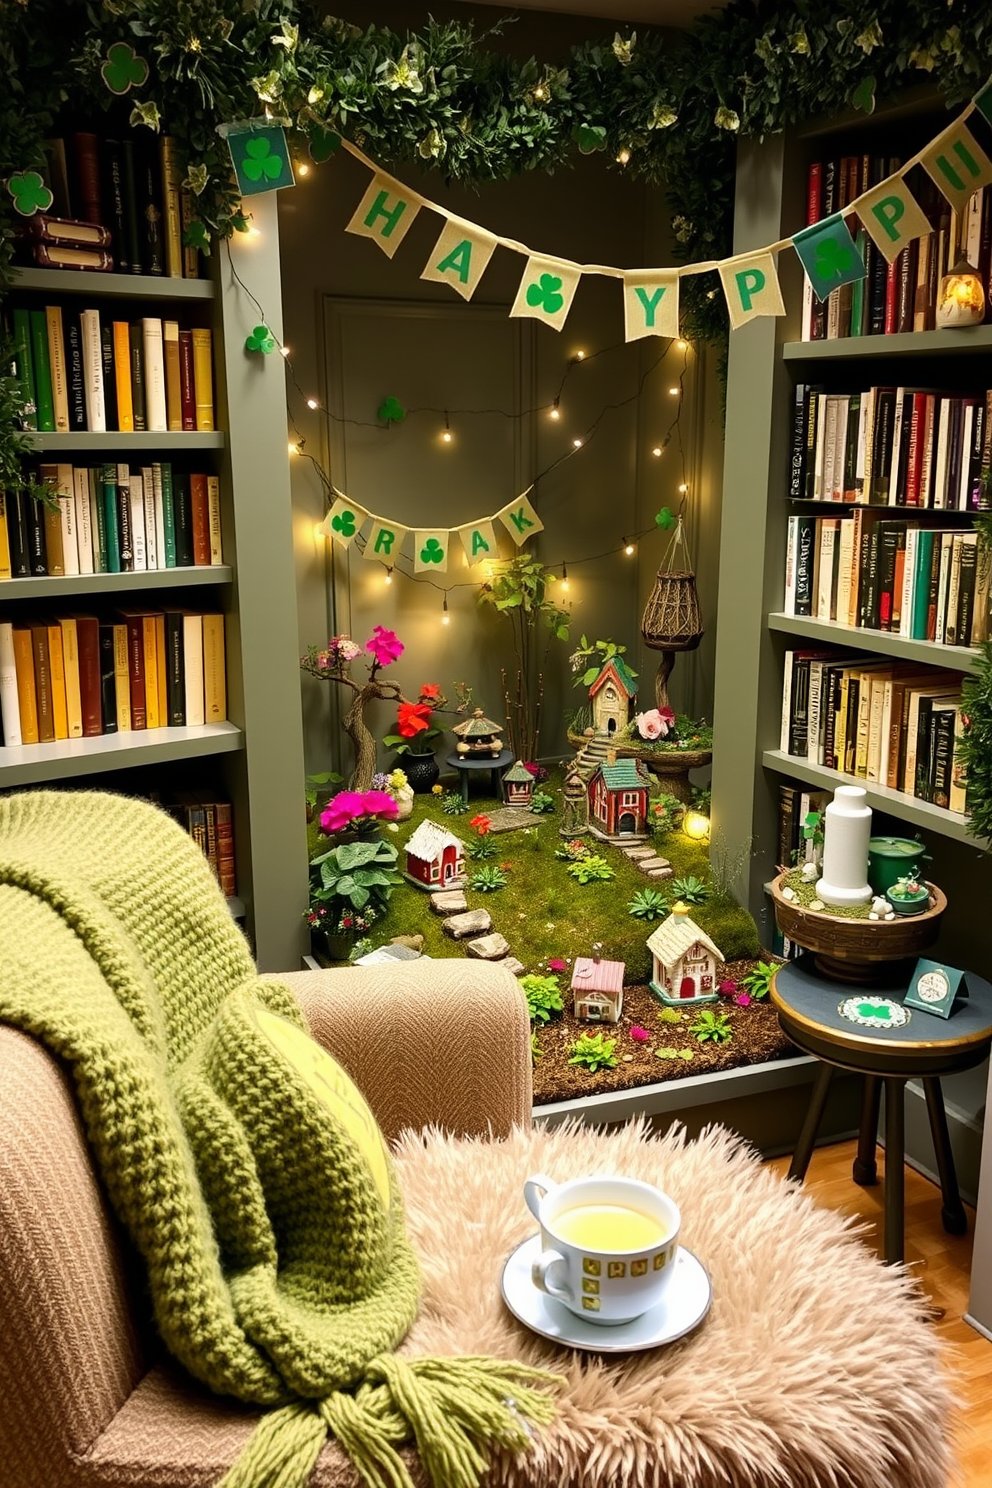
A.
x: 335, y: 945
x: 421, y: 770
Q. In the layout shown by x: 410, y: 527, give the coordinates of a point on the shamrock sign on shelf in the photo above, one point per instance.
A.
x: 829, y: 255
x: 261, y: 339
x: 30, y: 193
x: 260, y: 156
x: 391, y: 411
x: 124, y: 69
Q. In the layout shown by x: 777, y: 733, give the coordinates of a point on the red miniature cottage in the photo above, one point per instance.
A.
x: 611, y: 696
x: 597, y: 989
x: 618, y: 799
x: 518, y: 785
x: 434, y: 857
x: 686, y: 965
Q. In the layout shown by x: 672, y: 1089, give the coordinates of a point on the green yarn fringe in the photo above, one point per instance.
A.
x: 454, y: 1409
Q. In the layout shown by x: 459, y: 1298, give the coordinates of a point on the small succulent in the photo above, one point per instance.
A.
x: 591, y: 869
x: 535, y: 1049
x: 690, y: 890
x: 714, y: 1027
x: 647, y: 904
x: 758, y: 981
x: 543, y: 996
x: 593, y: 1052
x: 669, y: 1053
x: 666, y: 812
x: 480, y: 847
x: 488, y: 880
x: 542, y: 803
x: 571, y: 852
x: 670, y: 1015
x: 452, y: 804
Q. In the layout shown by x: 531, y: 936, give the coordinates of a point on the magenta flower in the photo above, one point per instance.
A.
x: 557, y: 964
x: 384, y: 645
x: 742, y: 999
x: 341, y: 810
x: 727, y: 987
x: 640, y: 1034
x: 379, y: 803
x: 667, y: 719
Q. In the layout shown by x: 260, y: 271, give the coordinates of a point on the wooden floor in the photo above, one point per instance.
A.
x: 944, y: 1264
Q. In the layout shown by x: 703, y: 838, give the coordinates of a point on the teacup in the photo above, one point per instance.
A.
x: 609, y: 1244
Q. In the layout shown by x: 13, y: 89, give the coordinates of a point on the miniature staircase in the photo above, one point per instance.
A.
x: 593, y: 752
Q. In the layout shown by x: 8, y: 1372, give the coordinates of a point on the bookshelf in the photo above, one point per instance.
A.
x: 256, y: 757
x: 976, y: 340
x: 877, y: 642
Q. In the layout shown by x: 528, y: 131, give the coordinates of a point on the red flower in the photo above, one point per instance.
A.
x: 481, y: 824
x: 429, y: 692
x: 412, y: 719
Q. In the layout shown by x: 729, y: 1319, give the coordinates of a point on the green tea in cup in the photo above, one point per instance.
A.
x: 608, y: 1227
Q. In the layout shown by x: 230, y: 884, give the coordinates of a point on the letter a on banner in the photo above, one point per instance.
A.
x: 430, y: 551
x: 892, y: 217
x: 479, y: 541
x: 344, y: 521
x: 385, y: 213
x: 751, y: 287
x: 520, y: 520
x: 958, y: 164
x: 460, y: 257
x: 650, y: 305
x: 829, y: 255
x: 546, y: 291
x: 384, y: 541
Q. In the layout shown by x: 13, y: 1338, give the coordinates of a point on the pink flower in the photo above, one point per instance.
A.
x: 640, y: 1034
x: 650, y: 725
x: 667, y: 719
x: 384, y: 646
x: 727, y: 987
x: 556, y: 964
x: 341, y: 810
x: 379, y: 803
x: 742, y: 999
x: 347, y: 648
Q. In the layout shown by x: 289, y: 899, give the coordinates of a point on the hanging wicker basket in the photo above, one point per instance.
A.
x: 671, y: 619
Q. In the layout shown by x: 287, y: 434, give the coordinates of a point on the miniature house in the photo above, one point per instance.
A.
x: 518, y: 785
x: 478, y: 735
x: 618, y: 798
x: 611, y: 696
x: 434, y: 856
x: 597, y: 989
x: 685, y: 964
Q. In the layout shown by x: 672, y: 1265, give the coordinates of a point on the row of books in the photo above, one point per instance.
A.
x: 901, y: 296
x: 77, y: 676
x: 796, y: 805
x: 111, y: 519
x: 875, y: 719
x: 892, y: 446
x: 924, y: 583
x: 78, y: 372
x: 127, y: 191
x: 209, y: 821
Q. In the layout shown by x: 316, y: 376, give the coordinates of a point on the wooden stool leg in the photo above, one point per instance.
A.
x: 811, y: 1124
x: 865, y: 1170
x: 952, y: 1210
x: 895, y: 1141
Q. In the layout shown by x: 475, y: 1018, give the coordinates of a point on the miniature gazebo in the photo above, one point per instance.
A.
x: 618, y: 799
x: 685, y: 964
x: 478, y: 735
x: 612, y: 695
x: 435, y: 857
x: 518, y: 785
x: 574, y: 805
x: 597, y: 989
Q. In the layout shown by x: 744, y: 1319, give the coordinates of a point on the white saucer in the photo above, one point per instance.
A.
x: 685, y: 1304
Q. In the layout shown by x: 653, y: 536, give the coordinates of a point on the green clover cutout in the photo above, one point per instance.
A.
x: 589, y: 138
x: 432, y: 551
x: 833, y: 259
x: 323, y: 143
x: 344, y: 523
x: 391, y: 411
x: 544, y: 295
x: 261, y: 339
x: 124, y: 69
x: 664, y: 519
x: 868, y: 1010
x: 30, y: 193
x: 258, y: 162
x: 196, y: 236
x: 863, y: 97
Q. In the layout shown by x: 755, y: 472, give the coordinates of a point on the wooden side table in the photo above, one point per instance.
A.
x: 468, y: 764
x: 924, y: 1047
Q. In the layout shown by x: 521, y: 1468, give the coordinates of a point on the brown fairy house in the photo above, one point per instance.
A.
x: 612, y: 695
x: 618, y: 799
x: 597, y: 989
x: 518, y: 785
x: 685, y: 964
x: 434, y: 856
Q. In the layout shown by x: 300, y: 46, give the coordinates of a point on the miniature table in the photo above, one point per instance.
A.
x: 925, y: 1048
x: 468, y: 764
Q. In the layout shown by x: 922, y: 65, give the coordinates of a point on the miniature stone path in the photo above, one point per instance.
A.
x: 473, y: 922
x: 488, y: 947
x: 449, y: 902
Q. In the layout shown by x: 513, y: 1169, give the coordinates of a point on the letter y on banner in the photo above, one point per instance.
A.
x: 751, y: 287
x: 520, y: 520
x: 385, y: 214
x: 650, y: 304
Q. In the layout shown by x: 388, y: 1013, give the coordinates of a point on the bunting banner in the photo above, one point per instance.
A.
x: 888, y: 213
x: 384, y: 541
x: 432, y: 546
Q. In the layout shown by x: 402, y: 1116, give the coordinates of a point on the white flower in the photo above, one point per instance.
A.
x: 662, y: 117
x: 403, y: 73
x: 624, y: 50
x: 870, y: 38
x: 289, y: 38
x: 269, y: 87
x: 145, y: 113
x: 726, y: 118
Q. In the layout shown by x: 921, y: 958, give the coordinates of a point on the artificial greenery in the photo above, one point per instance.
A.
x: 666, y: 812
x: 593, y: 1052
x: 319, y: 790
x: 591, y: 869
x: 712, y: 1027
x: 976, y: 743
x: 690, y: 889
x: 543, y: 996
x: 520, y: 589
x: 757, y: 983
x: 354, y: 875
x: 670, y: 1015
x: 488, y: 880
x: 535, y: 1048
x: 589, y: 659
x: 479, y: 848
x: 669, y: 1053
x: 647, y: 904
x: 452, y: 804
x: 573, y: 851
x: 542, y: 803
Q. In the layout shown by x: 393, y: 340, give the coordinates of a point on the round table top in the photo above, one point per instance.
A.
x: 480, y: 761
x: 808, y: 1006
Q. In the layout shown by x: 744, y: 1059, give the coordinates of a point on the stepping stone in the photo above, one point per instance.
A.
x: 414, y: 942
x: 511, y: 819
x: 661, y: 873
x: 449, y: 902
x: 652, y: 861
x: 488, y: 947
x: 517, y: 967
x: 461, y: 926
x: 638, y: 851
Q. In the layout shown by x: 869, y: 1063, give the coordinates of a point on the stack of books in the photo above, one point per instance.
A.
x: 892, y: 446
x: 80, y: 676
x: 890, y: 722
x: 112, y: 519
x: 862, y: 570
x: 79, y: 372
x: 208, y: 820
x: 129, y: 189
x: 901, y: 296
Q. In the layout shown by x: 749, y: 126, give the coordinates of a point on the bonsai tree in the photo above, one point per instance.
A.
x: 520, y: 591
x: 333, y: 663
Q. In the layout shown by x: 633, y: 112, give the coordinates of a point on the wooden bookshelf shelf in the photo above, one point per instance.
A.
x: 123, y: 286
x: 880, y: 797
x: 911, y: 513
x: 884, y: 642
x: 30, y: 764
x: 79, y: 585
x: 124, y: 444
x: 909, y: 343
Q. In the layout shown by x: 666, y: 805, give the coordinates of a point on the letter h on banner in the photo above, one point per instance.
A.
x: 385, y: 214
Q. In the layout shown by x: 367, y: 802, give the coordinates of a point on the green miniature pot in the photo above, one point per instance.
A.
x: 892, y: 858
x: 916, y: 904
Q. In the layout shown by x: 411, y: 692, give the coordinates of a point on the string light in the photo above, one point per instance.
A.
x: 446, y: 436
x: 683, y: 488
x: 302, y: 169
x: 445, y: 617
x: 294, y: 449
x: 580, y: 356
x: 284, y: 351
x: 312, y: 403
x: 564, y: 576
x: 628, y: 548
x: 555, y: 410
x: 540, y: 93
x: 657, y: 450
x: 673, y: 392
x: 319, y: 530
x: 389, y: 576
x: 577, y: 443
x: 623, y: 157
x: 682, y: 345
x: 254, y: 232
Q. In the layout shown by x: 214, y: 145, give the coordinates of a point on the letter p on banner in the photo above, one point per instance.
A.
x: 520, y: 520
x: 650, y: 304
x: 751, y: 287
x: 385, y: 214
x: 892, y: 217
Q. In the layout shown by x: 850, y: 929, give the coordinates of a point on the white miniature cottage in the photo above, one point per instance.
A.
x: 434, y: 856
x: 597, y: 989
x: 685, y: 965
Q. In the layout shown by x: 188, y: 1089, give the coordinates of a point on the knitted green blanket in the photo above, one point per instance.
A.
x: 244, y: 1163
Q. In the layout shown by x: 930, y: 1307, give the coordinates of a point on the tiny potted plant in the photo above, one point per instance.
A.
x: 908, y: 896
x: 350, y: 884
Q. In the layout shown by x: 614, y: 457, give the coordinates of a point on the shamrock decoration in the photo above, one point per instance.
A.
x: 124, y: 69
x: 545, y: 294
x: 664, y: 519
x: 344, y: 523
x: 196, y: 236
x: 261, y: 339
x: 258, y: 161
x: 589, y: 137
x: 30, y: 193
x: 432, y: 551
x: 391, y: 411
x: 323, y: 143
x: 833, y: 258
x: 863, y: 96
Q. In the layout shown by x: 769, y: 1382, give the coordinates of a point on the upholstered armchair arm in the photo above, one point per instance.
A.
x: 443, y: 1043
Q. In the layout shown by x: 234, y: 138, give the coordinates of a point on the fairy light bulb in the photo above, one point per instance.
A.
x: 446, y: 436
x: 623, y: 156
x: 580, y: 356
x: 683, y: 488
x: 682, y: 345
x: 284, y: 351
x: 302, y: 169
x: 577, y: 443
x: 629, y: 549
x: 657, y: 451
x: 294, y: 449
x: 673, y: 392
x: 555, y: 410
x: 319, y: 530
x: 445, y: 617
x: 564, y: 576
x: 389, y: 576
x: 540, y: 93
x: 312, y: 403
